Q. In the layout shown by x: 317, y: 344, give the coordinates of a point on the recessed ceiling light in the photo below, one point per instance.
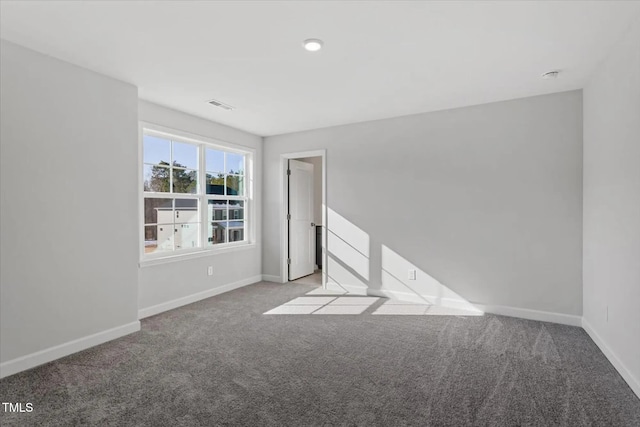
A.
x: 551, y: 74
x: 312, y: 45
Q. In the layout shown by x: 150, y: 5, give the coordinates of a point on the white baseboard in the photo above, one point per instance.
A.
x: 606, y: 350
x: 422, y: 299
x: 401, y: 296
x: 270, y: 278
x: 50, y: 354
x: 189, y: 299
x: 525, y: 313
x: 355, y: 290
x: 334, y: 287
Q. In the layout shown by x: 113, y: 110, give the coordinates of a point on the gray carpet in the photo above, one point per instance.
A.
x: 222, y: 362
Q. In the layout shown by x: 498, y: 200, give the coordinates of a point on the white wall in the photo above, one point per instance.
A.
x: 612, y: 207
x: 485, y: 201
x: 317, y: 187
x: 68, y: 213
x: 169, y: 285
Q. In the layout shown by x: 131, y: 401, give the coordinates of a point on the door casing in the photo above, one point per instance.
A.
x: 284, y: 198
x: 302, y: 231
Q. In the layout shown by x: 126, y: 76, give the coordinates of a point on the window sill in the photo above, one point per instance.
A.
x: 193, y: 255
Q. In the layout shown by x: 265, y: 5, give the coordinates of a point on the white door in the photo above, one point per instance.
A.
x: 302, y: 230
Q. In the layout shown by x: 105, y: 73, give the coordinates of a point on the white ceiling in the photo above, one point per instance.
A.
x: 381, y: 59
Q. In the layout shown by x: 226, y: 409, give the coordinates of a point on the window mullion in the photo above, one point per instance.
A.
x: 160, y: 195
x: 171, y: 166
x: 204, y: 204
x: 224, y: 179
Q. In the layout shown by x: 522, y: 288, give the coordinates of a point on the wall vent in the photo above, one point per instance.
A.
x: 221, y: 105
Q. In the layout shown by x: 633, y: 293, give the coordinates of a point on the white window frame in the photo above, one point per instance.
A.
x: 202, y: 142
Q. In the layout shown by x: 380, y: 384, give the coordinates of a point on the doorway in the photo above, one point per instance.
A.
x: 303, y: 237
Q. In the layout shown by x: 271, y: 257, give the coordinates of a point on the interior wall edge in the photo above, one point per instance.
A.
x: 624, y: 372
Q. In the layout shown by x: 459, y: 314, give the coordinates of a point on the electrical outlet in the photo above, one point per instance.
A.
x: 210, y: 270
x: 412, y: 274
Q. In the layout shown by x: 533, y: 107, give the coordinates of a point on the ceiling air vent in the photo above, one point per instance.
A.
x: 221, y: 105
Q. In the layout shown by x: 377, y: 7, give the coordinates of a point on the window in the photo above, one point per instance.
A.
x: 194, y: 195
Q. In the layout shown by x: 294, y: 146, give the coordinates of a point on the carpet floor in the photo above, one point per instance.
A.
x: 221, y: 361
